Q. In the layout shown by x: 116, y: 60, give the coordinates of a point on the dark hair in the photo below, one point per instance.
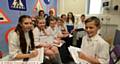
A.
x: 73, y: 18
x: 58, y: 18
x: 83, y: 15
x: 62, y: 15
x: 39, y: 18
x: 53, y: 18
x: 40, y: 12
x: 20, y: 32
x: 95, y: 19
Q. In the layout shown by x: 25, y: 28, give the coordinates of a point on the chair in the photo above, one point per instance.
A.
x: 116, y: 53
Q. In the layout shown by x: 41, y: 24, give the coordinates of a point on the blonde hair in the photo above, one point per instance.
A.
x: 39, y: 18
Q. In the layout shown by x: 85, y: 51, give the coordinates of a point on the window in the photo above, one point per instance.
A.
x: 94, y: 6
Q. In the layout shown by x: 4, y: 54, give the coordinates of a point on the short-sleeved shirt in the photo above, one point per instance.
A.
x: 14, y: 44
x: 39, y: 36
x: 96, y: 46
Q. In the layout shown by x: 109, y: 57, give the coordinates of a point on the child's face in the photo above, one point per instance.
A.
x: 41, y: 13
x: 64, y: 17
x: 82, y: 18
x: 41, y: 24
x: 53, y: 23
x: 27, y: 24
x: 59, y: 22
x: 70, y: 15
x: 91, y: 28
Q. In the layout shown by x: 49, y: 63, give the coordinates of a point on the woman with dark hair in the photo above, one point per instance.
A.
x: 21, y: 41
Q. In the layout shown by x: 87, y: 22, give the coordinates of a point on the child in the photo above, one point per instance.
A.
x: 70, y: 22
x: 95, y: 50
x: 41, y: 37
x: 79, y: 30
x: 21, y: 40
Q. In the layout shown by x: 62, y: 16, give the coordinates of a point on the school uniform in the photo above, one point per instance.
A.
x: 39, y: 36
x: 14, y: 45
x: 96, y: 47
x: 70, y: 26
x: 80, y: 32
x: 54, y: 32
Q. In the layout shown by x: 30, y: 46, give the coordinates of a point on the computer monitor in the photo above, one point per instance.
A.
x: 117, y: 38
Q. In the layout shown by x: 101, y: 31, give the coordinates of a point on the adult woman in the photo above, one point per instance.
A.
x: 21, y: 41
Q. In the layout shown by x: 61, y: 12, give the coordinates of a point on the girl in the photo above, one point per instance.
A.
x: 70, y: 22
x: 61, y: 26
x: 64, y: 18
x: 21, y: 40
x: 41, y: 36
x: 79, y: 30
x: 95, y: 50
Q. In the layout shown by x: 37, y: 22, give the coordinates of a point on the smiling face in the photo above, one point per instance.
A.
x: 92, y: 25
x: 51, y: 13
x: 64, y: 17
x: 53, y: 23
x: 91, y: 28
x: 69, y: 15
x: 41, y: 13
x: 41, y: 24
x: 26, y: 24
x: 82, y: 18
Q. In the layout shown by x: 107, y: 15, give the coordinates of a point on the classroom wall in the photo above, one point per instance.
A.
x: 111, y: 16
x: 12, y: 15
x: 75, y: 6
x: 110, y: 20
x: 80, y: 6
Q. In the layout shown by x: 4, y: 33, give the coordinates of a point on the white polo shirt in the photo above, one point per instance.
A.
x: 39, y: 36
x: 96, y: 47
x: 14, y: 45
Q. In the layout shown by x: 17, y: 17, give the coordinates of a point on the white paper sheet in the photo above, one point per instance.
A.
x: 40, y: 56
x: 74, y: 53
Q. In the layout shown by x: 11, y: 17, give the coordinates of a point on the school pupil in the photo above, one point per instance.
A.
x: 21, y: 40
x: 44, y: 39
x: 95, y: 50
